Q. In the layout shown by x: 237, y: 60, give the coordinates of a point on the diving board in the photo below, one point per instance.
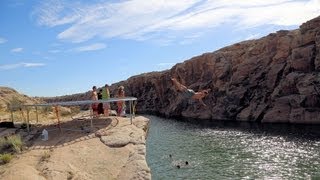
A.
x: 78, y: 103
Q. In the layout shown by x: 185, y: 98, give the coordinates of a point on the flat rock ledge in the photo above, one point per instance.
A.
x: 133, y: 137
x: 117, y: 151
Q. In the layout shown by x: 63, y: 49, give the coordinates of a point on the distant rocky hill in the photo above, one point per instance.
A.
x: 73, y: 97
x: 272, y: 79
x: 8, y: 95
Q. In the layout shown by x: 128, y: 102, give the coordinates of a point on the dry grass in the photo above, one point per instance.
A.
x: 44, y: 114
x: 11, y: 144
x: 45, y: 156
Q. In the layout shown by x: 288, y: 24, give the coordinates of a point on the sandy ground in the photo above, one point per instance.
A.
x: 113, y: 149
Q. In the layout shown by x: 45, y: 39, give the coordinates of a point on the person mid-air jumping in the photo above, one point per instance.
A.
x: 189, y: 93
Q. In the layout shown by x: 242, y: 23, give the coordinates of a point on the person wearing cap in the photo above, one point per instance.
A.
x: 106, y: 95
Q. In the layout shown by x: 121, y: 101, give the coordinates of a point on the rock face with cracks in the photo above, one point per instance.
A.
x: 271, y: 79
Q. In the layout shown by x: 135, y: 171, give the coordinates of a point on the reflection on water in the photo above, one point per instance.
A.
x: 232, y: 150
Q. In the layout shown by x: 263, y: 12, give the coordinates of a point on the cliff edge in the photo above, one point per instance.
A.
x: 271, y: 79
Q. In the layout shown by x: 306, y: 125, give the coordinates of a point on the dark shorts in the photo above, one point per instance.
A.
x: 188, y: 93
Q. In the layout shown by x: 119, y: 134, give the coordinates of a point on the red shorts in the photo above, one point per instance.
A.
x: 94, y: 107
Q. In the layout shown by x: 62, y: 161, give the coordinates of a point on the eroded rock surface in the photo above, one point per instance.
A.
x: 98, y: 155
x: 270, y: 79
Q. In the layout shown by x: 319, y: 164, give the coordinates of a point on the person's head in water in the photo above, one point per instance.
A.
x: 178, y: 166
x: 170, y: 156
x: 187, y: 162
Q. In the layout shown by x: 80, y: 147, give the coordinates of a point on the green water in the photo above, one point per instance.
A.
x: 239, y: 151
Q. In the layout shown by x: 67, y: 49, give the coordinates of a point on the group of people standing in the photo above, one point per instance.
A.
x: 104, y: 94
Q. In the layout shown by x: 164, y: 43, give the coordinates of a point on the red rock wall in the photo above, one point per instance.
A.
x: 266, y: 80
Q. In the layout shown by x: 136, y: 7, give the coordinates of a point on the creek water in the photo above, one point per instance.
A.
x: 230, y: 150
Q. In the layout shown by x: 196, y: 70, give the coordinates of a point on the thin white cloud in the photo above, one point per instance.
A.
x: 16, y: 50
x: 20, y: 65
x: 2, y: 40
x: 92, y: 47
x: 32, y: 64
x: 158, y: 19
x: 56, y: 12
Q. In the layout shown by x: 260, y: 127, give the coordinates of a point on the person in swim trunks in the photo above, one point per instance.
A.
x: 189, y: 93
x: 100, y: 105
x: 94, y: 97
x: 121, y: 104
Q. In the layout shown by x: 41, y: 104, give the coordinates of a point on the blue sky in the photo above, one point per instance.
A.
x: 60, y: 47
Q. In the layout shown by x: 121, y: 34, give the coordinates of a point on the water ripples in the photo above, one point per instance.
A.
x: 227, y: 153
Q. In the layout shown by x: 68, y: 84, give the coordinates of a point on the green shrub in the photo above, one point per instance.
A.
x: 5, y: 158
x: 11, y: 144
x: 16, y: 141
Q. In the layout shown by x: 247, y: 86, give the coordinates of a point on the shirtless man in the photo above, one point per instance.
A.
x: 189, y: 93
x: 94, y: 97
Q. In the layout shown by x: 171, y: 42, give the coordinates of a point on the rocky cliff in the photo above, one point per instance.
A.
x: 268, y: 80
x: 272, y: 79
